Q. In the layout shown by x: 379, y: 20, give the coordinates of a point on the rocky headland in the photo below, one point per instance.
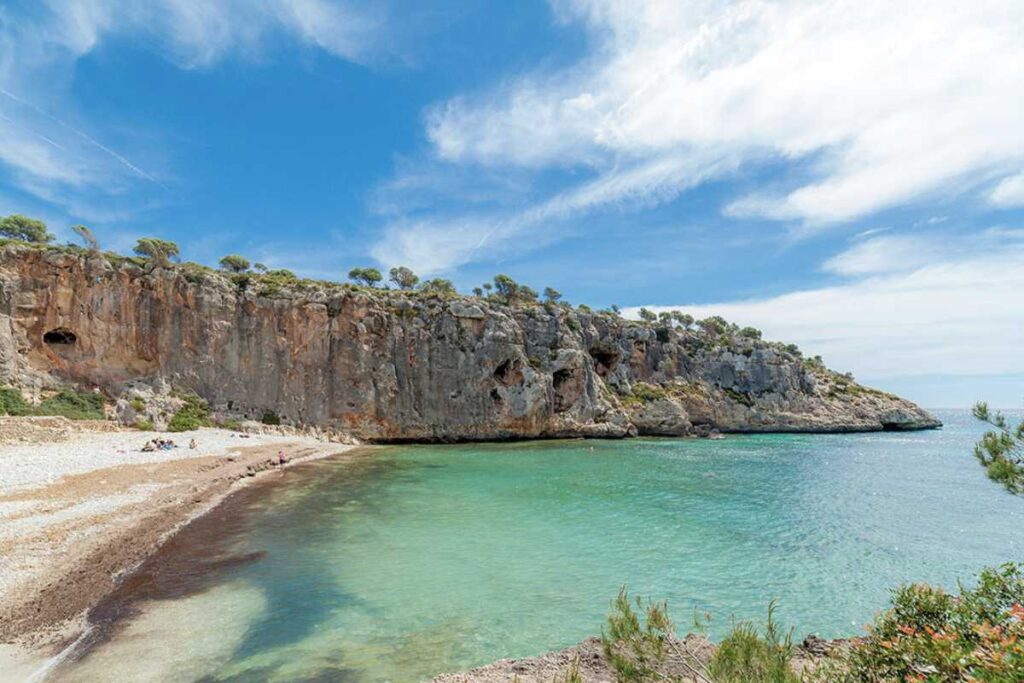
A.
x: 390, y: 366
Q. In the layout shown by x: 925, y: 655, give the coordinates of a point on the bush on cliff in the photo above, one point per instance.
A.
x: 193, y: 415
x: 403, y: 277
x: 88, y: 237
x: 74, y: 405
x: 366, y: 276
x: 26, y: 229
x: 234, y: 263
x: 157, y: 250
x: 13, y: 403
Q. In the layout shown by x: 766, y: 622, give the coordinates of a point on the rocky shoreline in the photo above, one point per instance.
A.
x: 404, y: 366
x: 686, y: 661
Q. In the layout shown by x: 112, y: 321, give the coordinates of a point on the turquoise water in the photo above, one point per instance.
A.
x: 414, y: 560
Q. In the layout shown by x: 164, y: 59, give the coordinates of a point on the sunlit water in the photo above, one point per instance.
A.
x: 416, y: 560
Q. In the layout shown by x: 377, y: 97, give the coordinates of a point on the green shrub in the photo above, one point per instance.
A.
x: 138, y: 405
x: 745, y: 656
x: 636, y: 651
x: 271, y: 418
x: 930, y: 635
x: 232, y: 424
x: 144, y: 425
x: 13, y: 403
x: 193, y: 415
x: 23, y: 228
x: 234, y: 263
x: 74, y: 405
x: 739, y: 397
x: 1001, y: 451
x: 648, y: 393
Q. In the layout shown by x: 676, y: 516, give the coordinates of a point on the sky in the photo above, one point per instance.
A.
x: 843, y: 174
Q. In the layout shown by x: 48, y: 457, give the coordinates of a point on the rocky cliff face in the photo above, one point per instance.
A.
x: 389, y: 366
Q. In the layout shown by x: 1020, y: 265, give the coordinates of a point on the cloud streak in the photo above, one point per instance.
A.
x: 886, y: 104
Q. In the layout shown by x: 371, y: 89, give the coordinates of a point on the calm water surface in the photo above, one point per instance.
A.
x: 425, y: 559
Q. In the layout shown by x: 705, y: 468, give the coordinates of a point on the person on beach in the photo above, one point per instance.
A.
x: 192, y: 445
x: 149, y: 447
x: 281, y: 459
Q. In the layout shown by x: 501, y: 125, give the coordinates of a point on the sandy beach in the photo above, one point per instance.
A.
x: 82, y: 504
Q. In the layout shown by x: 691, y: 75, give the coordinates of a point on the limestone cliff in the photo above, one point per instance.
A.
x: 390, y: 366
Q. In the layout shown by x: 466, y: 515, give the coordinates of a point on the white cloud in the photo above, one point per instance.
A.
x: 1009, y: 192
x: 885, y: 103
x: 885, y: 255
x: 196, y: 33
x: 959, y: 314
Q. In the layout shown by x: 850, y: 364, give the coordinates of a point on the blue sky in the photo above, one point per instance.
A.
x: 845, y: 174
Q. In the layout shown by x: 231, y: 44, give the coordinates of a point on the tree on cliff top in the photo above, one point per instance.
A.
x: 25, y: 229
x: 403, y: 277
x: 157, y: 250
x: 367, y: 276
x: 648, y: 316
x: 511, y: 292
x: 1001, y: 451
x: 235, y: 263
x: 87, y: 237
x: 439, y: 285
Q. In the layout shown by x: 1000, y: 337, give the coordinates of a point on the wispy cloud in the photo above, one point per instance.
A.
x: 60, y: 159
x: 889, y: 104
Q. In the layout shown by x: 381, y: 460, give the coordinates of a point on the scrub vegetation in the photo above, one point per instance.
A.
x: 927, y: 635
x: 195, y: 413
x: 74, y: 405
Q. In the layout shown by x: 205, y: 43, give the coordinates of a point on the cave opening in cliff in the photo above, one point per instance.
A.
x: 563, y: 399
x: 509, y: 372
x: 605, y: 360
x: 60, y: 336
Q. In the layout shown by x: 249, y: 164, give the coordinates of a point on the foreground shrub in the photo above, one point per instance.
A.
x: 930, y: 635
x: 635, y: 650
x: 927, y: 635
x: 745, y: 656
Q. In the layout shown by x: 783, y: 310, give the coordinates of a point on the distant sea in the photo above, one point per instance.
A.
x: 420, y: 559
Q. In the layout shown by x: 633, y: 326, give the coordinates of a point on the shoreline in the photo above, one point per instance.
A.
x: 74, y: 532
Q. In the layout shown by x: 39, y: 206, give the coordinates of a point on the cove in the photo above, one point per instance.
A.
x: 414, y: 560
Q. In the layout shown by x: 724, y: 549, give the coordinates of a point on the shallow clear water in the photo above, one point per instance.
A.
x: 423, y: 559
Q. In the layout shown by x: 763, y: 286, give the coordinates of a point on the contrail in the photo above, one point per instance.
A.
x: 92, y: 141
x: 38, y: 135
